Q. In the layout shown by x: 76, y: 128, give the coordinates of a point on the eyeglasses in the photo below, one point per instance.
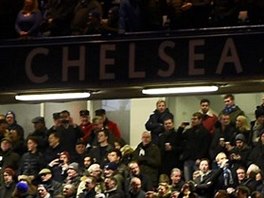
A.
x: 44, y: 174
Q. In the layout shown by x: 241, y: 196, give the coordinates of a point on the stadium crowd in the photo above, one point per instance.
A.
x: 212, y: 156
x: 42, y: 18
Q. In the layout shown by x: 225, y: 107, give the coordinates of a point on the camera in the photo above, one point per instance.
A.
x: 186, y: 123
x: 61, y: 161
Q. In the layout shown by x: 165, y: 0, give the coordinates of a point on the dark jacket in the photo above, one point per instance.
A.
x: 87, y: 194
x: 150, y: 161
x: 6, y: 191
x: 155, y: 123
x: 195, y: 143
x: 170, y: 159
x: 31, y: 164
x: 10, y: 159
x: 115, y: 193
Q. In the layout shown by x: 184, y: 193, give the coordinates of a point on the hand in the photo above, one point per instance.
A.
x: 186, y: 6
x: 224, y: 163
x: 54, y: 162
x: 168, y: 146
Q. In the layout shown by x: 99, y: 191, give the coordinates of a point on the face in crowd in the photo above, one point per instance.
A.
x: 161, y: 106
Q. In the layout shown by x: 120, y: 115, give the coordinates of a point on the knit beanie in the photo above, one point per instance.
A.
x: 22, y: 186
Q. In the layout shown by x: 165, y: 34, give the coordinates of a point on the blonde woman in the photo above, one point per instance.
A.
x: 242, y: 126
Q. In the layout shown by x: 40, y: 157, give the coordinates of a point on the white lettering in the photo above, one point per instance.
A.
x: 32, y: 77
x: 106, y: 61
x: 167, y: 59
x: 232, y: 58
x: 194, y: 57
x: 66, y: 63
x: 131, y: 63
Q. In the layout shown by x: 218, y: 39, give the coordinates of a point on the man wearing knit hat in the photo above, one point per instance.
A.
x: 239, y: 154
x: 73, y: 176
x: 9, y: 184
x: 13, y: 125
x: 21, y: 189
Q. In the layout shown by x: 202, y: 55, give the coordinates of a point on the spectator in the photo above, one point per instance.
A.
x: 93, y: 25
x: 13, y: 125
x: 21, y: 190
x: 89, y: 191
x: 110, y: 25
x: 29, y: 20
x: 9, y: 182
x: 224, y: 133
x: 8, y: 157
x: 164, y: 190
x: 130, y: 16
x: 115, y: 156
x: 54, y: 149
x: 170, y: 147
x: 86, y: 125
x: 111, y: 190
x: 195, y: 141
x: 257, y: 126
x: 239, y: 154
x: 257, y: 153
x: 225, y: 179
x: 18, y: 145
x: 56, y: 121
x: 242, y: 192
x: 69, y: 133
x: 40, y: 132
x: 209, y: 118
x: 32, y: 161
x: 99, y: 153
x: 73, y: 176
x: 80, y: 153
x: 135, y: 190
x: 188, y: 191
x: 87, y: 162
x: 59, y: 166
x: 231, y: 108
x: 69, y: 191
x: 46, y: 178
x: 205, y: 181
x: 148, y: 157
x: 134, y: 171
x: 108, y: 124
x: 110, y: 170
x: 81, y: 13
x: 242, y: 126
x: 156, y: 120
x: 43, y: 191
x: 3, y: 128
x: 58, y: 17
x: 176, y: 180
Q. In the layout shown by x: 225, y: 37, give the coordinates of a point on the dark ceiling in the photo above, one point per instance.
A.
x: 122, y: 92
